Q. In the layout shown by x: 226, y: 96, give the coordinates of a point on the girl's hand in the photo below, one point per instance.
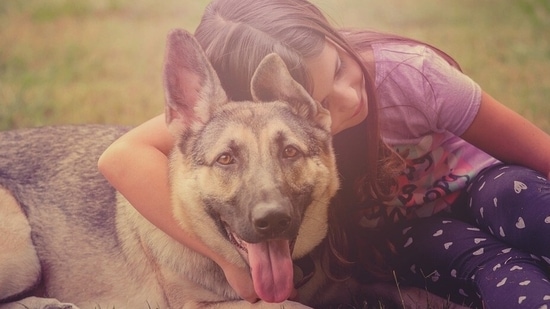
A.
x: 240, y: 280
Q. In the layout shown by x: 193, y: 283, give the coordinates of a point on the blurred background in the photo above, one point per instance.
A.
x: 100, y: 61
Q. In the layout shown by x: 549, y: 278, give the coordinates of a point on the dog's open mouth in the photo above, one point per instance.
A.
x: 270, y: 266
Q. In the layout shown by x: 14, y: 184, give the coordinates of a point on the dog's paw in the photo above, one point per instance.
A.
x: 61, y: 306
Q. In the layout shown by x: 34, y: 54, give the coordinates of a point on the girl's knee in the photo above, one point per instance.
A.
x: 508, y: 183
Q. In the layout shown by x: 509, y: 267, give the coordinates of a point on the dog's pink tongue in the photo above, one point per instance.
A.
x: 271, y: 268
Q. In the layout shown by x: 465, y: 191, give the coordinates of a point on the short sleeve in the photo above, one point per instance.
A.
x: 422, y: 92
x: 454, y: 96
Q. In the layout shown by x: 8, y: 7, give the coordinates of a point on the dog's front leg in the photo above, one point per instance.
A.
x: 19, y: 264
x: 38, y: 303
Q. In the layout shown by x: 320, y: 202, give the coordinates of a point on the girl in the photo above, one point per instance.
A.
x: 441, y: 184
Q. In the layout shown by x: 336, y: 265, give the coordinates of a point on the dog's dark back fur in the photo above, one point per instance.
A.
x: 32, y: 168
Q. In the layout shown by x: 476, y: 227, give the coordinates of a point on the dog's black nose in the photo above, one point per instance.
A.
x: 272, y: 224
x: 271, y: 221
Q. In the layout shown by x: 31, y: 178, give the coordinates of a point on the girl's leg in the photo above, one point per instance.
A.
x: 513, y: 204
x: 456, y: 260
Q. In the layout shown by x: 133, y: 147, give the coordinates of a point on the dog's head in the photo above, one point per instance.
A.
x: 253, y: 177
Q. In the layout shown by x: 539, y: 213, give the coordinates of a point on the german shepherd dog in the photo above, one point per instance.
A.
x: 252, y: 179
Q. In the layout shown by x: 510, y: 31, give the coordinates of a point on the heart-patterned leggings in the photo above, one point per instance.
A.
x: 496, y: 256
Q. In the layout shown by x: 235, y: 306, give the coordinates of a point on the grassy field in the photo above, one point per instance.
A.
x: 99, y: 61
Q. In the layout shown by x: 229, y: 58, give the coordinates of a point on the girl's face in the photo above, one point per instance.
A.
x: 339, y: 85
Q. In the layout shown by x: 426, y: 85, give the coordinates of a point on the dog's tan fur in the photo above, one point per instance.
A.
x: 131, y: 263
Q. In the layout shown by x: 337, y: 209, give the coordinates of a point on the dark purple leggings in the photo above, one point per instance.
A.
x: 497, y: 251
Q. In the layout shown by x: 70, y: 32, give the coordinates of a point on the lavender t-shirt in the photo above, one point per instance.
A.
x: 425, y: 104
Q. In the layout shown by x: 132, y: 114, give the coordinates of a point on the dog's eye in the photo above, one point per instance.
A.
x: 225, y: 159
x: 290, y: 152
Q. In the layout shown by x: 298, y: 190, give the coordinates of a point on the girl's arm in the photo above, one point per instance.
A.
x: 507, y: 136
x: 137, y: 166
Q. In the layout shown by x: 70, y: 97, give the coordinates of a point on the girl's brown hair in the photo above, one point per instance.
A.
x: 237, y: 34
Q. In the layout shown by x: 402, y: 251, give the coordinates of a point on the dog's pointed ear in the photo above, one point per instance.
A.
x: 192, y: 88
x: 272, y: 82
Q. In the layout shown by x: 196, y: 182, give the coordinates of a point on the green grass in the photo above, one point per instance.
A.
x: 87, y: 61
x: 82, y: 61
